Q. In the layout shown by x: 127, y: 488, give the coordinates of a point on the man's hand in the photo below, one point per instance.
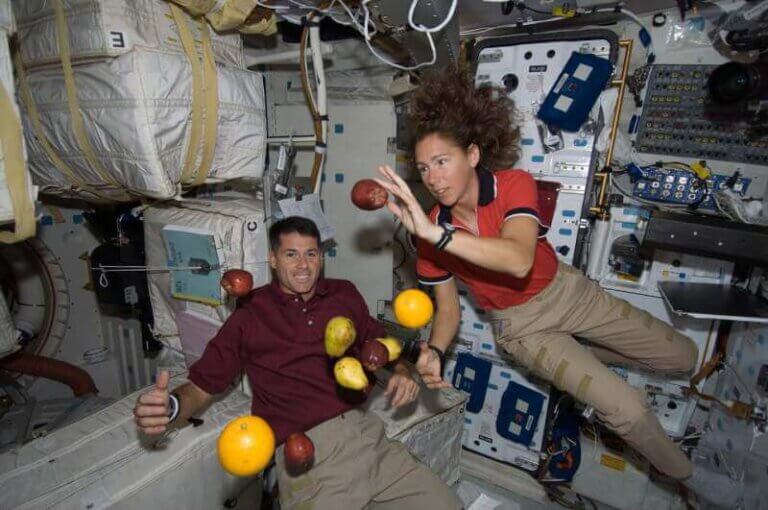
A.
x: 151, y: 411
x: 428, y: 366
x: 401, y: 386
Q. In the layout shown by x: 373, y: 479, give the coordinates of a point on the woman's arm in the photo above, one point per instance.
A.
x: 447, y: 317
x: 512, y: 253
x: 444, y: 327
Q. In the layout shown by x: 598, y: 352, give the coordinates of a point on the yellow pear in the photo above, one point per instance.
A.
x: 393, y: 345
x: 349, y: 373
x: 339, y: 335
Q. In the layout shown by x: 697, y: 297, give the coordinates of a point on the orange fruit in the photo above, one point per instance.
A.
x: 246, y: 445
x: 413, y: 308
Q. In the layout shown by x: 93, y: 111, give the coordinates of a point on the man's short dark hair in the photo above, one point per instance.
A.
x: 289, y: 225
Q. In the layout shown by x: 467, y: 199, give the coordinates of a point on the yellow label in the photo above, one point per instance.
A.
x: 197, y: 299
x: 613, y: 462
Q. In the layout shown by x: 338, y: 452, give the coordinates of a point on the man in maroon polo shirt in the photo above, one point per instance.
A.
x: 276, y: 337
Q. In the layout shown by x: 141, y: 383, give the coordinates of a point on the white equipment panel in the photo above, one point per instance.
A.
x: 527, y: 67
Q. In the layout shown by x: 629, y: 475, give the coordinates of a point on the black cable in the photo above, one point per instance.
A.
x: 524, y: 7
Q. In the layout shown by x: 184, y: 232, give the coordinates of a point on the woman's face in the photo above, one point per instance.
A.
x: 446, y: 169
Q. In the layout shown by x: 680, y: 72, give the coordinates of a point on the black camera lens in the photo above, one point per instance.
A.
x: 733, y: 82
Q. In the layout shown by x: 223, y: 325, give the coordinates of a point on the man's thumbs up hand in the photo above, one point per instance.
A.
x: 151, y: 411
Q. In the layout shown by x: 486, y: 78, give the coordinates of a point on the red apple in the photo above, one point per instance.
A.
x: 299, y: 453
x: 374, y: 355
x: 237, y: 282
x: 368, y: 195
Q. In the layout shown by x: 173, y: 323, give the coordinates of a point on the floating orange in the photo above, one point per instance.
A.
x: 246, y: 446
x: 413, y: 308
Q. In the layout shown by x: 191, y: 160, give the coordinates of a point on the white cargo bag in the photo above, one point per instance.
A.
x: 431, y: 428
x: 241, y: 233
x: 101, y: 462
x: 136, y: 112
x: 7, y: 23
x: 100, y: 29
x: 17, y: 195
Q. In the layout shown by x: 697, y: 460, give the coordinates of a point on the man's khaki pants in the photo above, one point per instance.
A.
x: 540, y: 335
x: 357, y: 467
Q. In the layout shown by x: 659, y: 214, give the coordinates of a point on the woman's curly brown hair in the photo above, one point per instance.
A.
x: 448, y: 103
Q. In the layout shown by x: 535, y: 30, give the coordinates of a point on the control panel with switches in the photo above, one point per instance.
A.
x: 678, y: 119
x: 677, y: 186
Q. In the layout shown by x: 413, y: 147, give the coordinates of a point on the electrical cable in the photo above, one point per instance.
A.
x: 524, y: 6
x: 436, y: 28
x: 367, y: 37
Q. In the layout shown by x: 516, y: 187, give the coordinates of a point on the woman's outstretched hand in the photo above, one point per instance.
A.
x: 407, y: 209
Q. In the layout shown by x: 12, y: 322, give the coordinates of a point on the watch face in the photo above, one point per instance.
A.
x: 448, y: 226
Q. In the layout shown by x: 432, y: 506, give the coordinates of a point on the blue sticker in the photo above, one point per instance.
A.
x: 569, y: 213
x: 46, y: 220
x: 339, y: 177
x: 629, y: 225
x: 77, y: 219
x: 492, y: 386
x: 505, y: 375
x: 527, y: 141
x: 331, y: 252
x: 537, y: 159
x: 682, y: 276
x: 565, y: 231
x: 633, y: 123
x: 580, y: 142
x: 477, y: 325
x: 487, y: 346
x: 338, y: 128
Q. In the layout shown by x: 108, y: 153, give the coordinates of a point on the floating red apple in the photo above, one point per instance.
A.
x: 368, y: 195
x: 237, y: 282
x: 299, y: 453
x: 374, y: 355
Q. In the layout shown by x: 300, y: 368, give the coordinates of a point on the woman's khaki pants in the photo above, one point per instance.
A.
x: 540, y: 335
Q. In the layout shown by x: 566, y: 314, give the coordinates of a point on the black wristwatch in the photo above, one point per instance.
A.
x: 441, y: 355
x: 448, y: 230
x: 412, y: 351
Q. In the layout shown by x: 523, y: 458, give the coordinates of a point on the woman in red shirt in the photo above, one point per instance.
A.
x: 485, y: 231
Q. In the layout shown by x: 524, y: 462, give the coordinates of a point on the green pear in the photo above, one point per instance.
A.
x: 339, y: 335
x: 393, y: 345
x: 349, y: 374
